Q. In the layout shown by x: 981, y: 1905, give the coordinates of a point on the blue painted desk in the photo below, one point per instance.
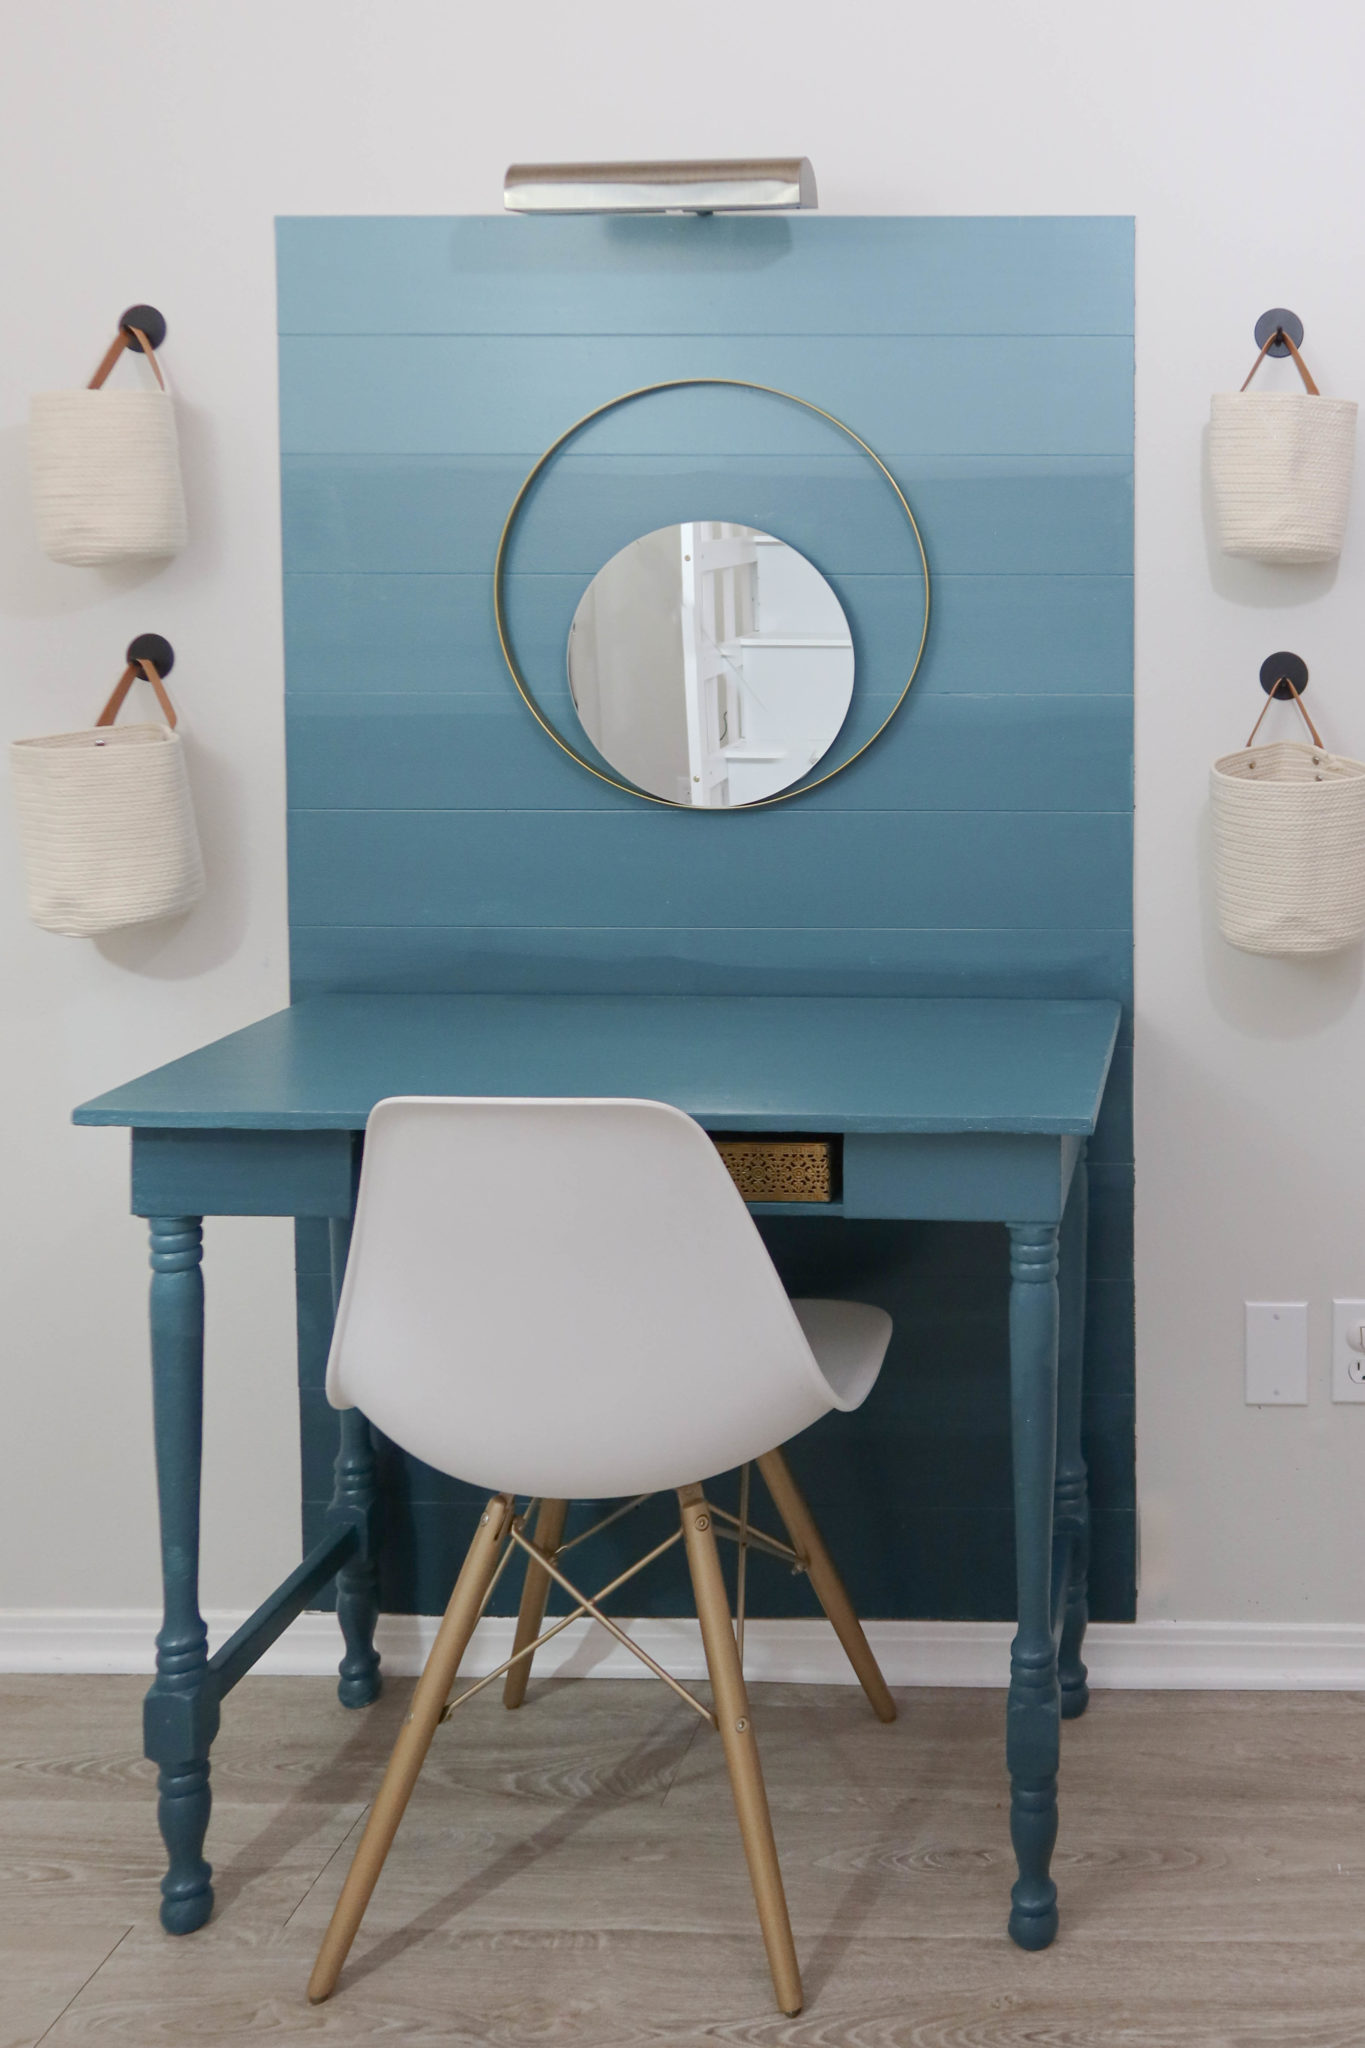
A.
x: 968, y: 1110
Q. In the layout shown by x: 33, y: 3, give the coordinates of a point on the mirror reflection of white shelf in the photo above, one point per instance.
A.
x: 788, y: 672
x: 711, y: 664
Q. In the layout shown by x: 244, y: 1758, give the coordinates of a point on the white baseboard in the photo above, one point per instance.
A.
x: 1193, y: 1655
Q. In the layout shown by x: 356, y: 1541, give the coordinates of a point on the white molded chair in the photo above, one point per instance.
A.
x: 568, y: 1299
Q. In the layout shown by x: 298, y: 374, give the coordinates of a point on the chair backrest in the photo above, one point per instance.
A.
x: 566, y: 1298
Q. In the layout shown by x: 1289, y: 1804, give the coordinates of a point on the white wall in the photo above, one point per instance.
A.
x: 146, y: 147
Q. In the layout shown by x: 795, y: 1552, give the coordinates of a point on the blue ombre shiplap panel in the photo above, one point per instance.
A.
x: 439, y: 840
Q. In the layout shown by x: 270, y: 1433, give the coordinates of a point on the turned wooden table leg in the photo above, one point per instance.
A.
x: 355, y: 1498
x: 1071, y: 1500
x: 1033, y: 1720
x: 180, y: 1713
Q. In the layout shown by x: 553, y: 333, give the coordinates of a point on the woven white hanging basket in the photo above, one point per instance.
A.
x: 106, y: 822
x: 105, y: 467
x: 1280, y: 464
x: 1289, y: 846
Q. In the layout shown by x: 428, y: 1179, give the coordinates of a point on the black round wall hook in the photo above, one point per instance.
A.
x: 1278, y: 671
x: 159, y: 651
x: 152, y: 323
x: 1278, y: 322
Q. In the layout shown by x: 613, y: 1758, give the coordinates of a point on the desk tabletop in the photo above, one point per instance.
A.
x: 791, y: 1063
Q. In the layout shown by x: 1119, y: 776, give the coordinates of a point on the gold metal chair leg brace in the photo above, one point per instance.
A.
x: 613, y: 1628
x: 536, y: 1586
x: 741, y: 1751
x: 414, y: 1740
x: 732, y: 1529
x: 589, y: 1607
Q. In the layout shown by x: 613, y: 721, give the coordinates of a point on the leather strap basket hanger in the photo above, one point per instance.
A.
x: 125, y: 683
x: 125, y: 337
x: 1281, y: 334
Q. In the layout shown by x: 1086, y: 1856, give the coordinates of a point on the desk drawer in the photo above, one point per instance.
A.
x: 780, y: 1169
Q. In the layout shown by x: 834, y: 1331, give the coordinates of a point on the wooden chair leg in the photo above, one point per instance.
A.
x: 741, y: 1751
x: 535, y: 1592
x: 414, y: 1740
x: 806, y: 1539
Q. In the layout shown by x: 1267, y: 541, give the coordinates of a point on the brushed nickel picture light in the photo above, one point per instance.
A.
x: 783, y: 184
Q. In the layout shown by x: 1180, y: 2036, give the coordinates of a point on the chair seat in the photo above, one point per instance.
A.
x: 849, y: 1340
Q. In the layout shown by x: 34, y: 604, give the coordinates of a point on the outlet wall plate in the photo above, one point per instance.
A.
x: 1348, y: 1351
x: 1277, y: 1354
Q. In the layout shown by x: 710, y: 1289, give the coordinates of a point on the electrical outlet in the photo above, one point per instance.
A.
x: 1277, y: 1354
x: 1348, y: 1350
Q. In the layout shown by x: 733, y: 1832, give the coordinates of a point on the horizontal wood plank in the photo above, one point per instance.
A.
x: 895, y: 868
x: 979, y: 394
x: 357, y: 633
x: 979, y: 515
x: 836, y: 275
x: 486, y: 753
x: 605, y: 959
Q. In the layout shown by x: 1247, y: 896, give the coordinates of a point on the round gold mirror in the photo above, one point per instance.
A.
x: 710, y: 663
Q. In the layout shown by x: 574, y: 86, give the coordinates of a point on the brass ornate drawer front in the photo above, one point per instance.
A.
x: 782, y: 1169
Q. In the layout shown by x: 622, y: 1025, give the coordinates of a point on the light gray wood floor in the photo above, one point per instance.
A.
x: 572, y: 1874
